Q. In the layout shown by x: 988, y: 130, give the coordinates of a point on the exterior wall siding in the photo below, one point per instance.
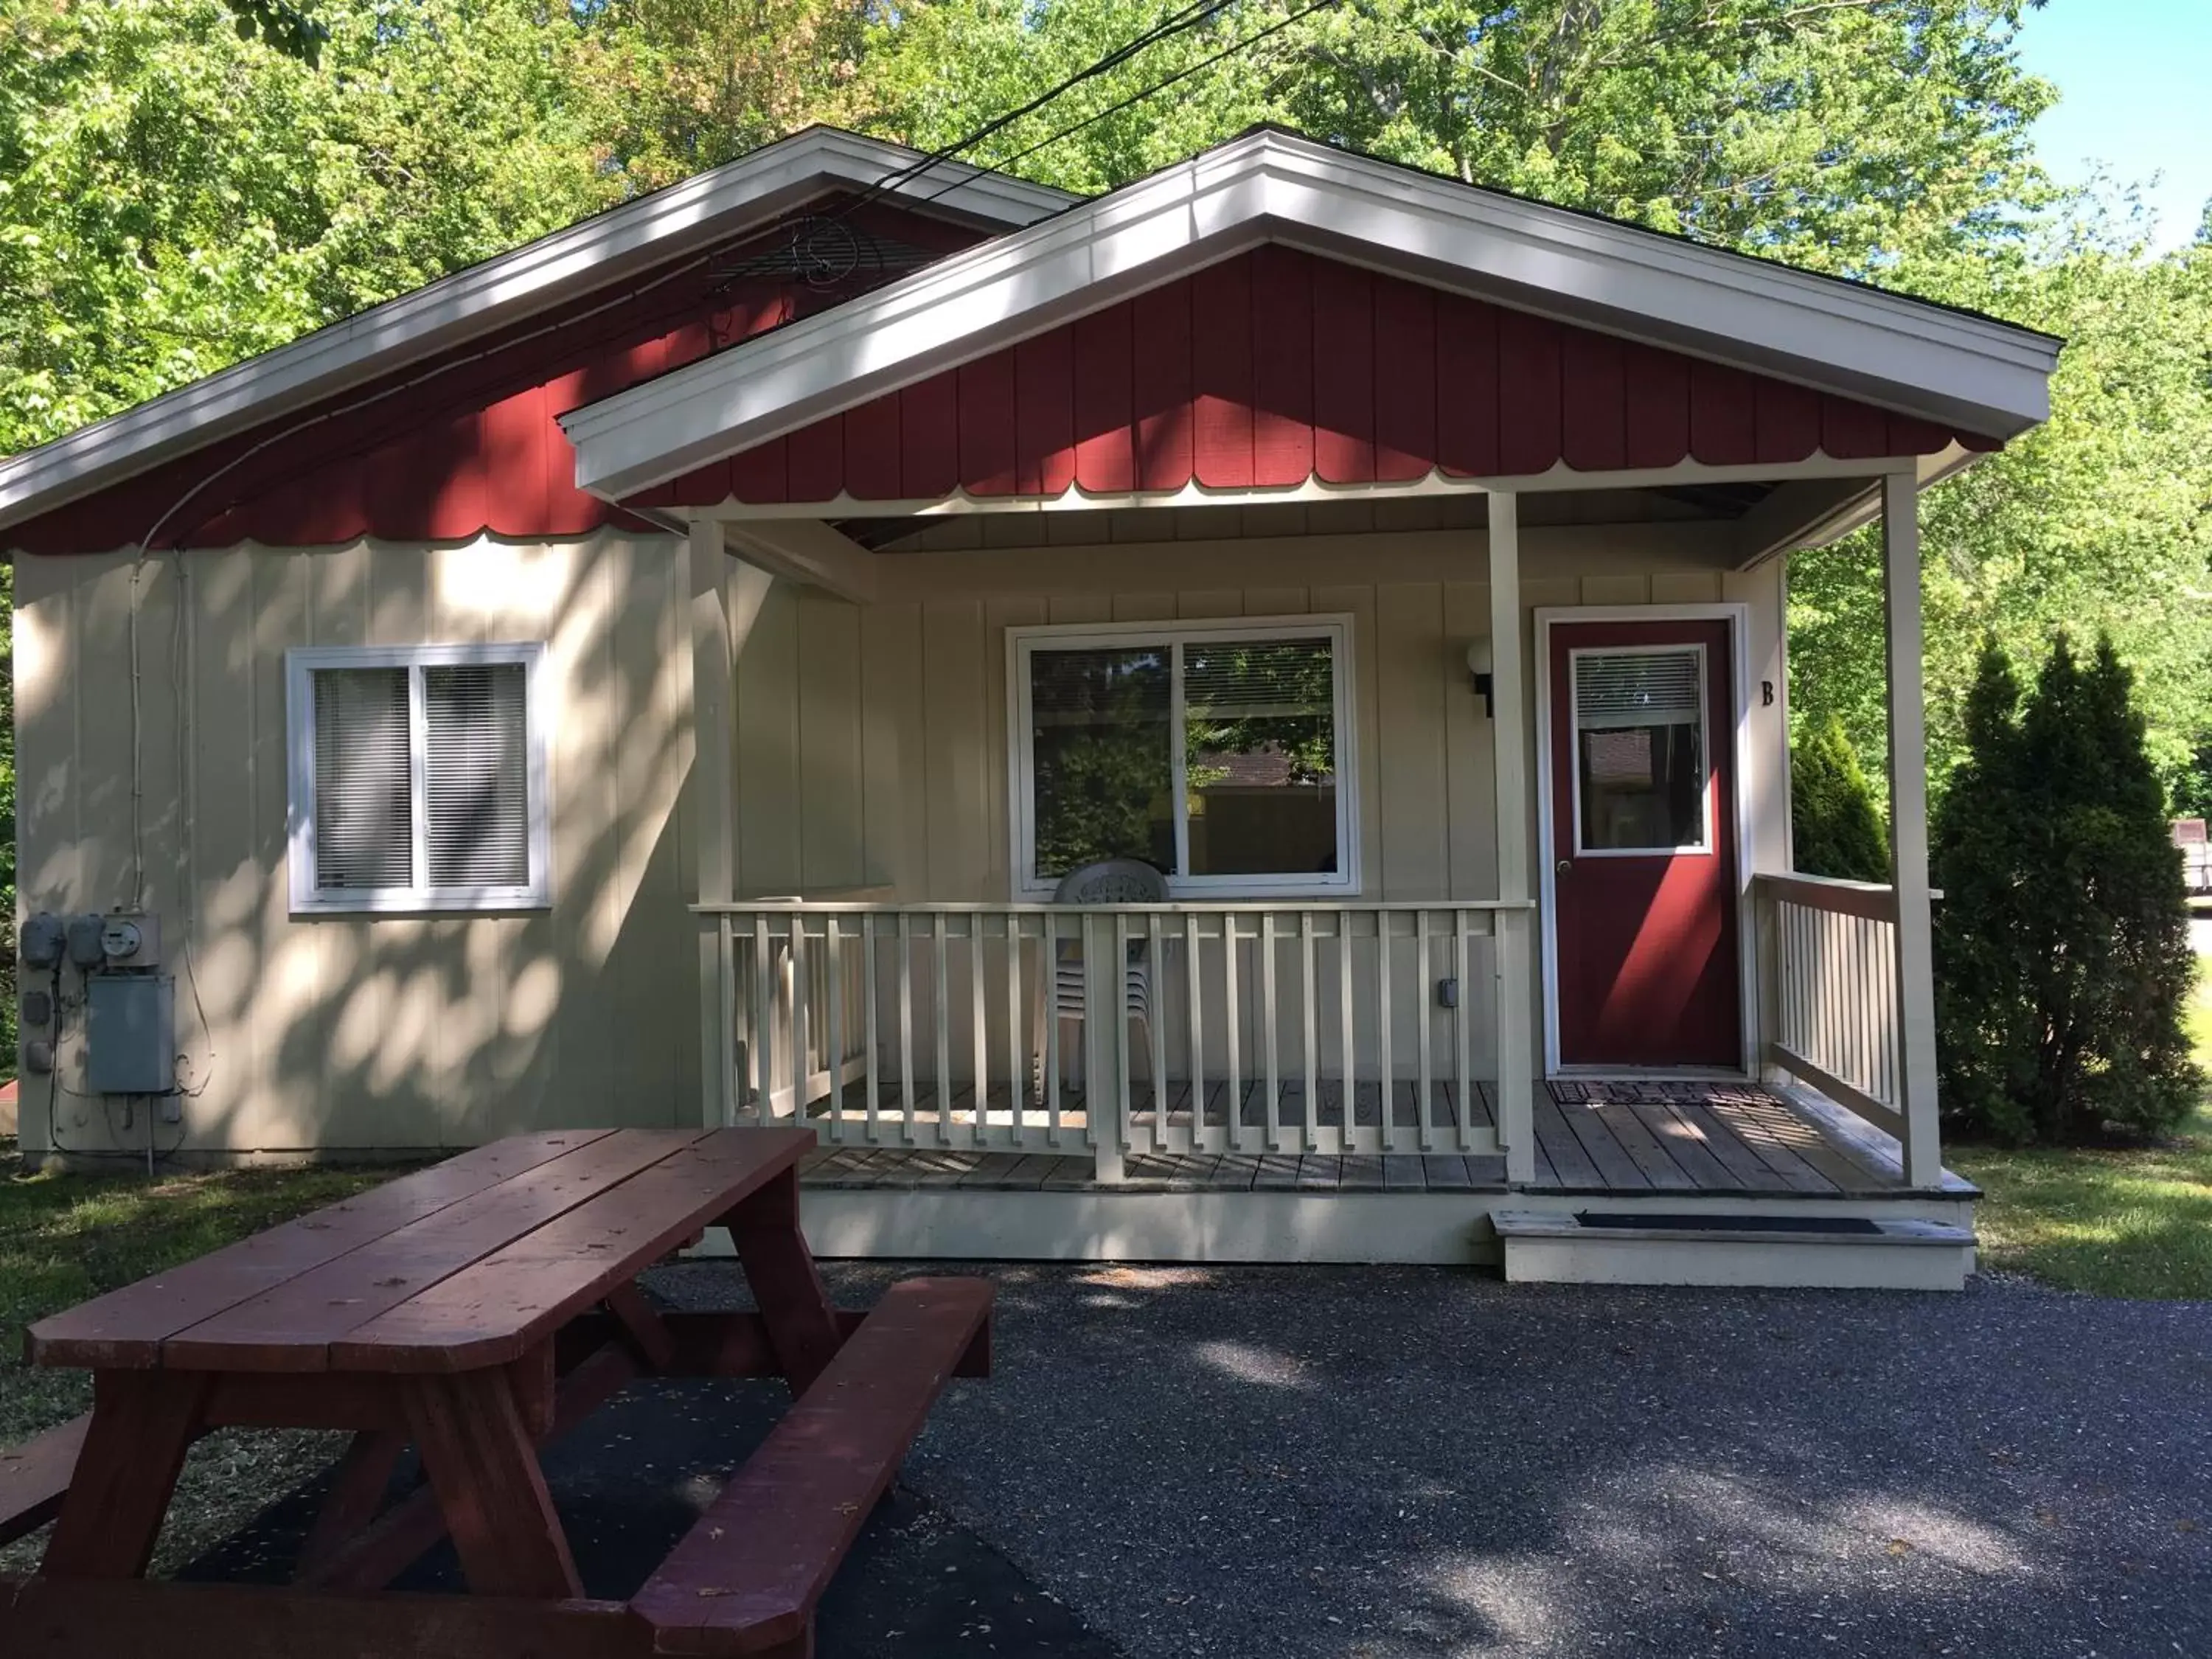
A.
x: 344, y: 1032
x: 870, y: 742
x: 919, y: 690
x: 1276, y: 366
x: 869, y: 749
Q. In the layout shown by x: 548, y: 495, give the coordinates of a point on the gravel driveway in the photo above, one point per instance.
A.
x: 1385, y: 1462
x: 1372, y: 1463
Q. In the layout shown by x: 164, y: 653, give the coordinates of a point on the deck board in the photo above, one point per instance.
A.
x: 1616, y: 1170
x: 1650, y: 1157
x: 1686, y: 1146
x: 1783, y: 1154
x: 1745, y: 1168
x: 1593, y: 1137
x: 1446, y: 1172
x: 1571, y: 1164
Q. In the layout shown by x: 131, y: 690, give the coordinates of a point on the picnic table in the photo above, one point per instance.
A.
x: 476, y: 1310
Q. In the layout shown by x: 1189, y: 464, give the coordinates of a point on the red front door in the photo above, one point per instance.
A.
x: 1642, y: 844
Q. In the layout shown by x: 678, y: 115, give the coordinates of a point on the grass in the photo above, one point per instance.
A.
x: 2135, y: 1221
x: 64, y: 1238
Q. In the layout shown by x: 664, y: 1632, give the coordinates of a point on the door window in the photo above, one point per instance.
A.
x: 1639, y: 727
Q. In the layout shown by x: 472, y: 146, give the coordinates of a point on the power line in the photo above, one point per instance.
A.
x: 1176, y: 23
x: 1158, y: 87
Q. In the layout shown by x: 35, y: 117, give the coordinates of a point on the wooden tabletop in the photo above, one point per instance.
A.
x: 467, y: 1264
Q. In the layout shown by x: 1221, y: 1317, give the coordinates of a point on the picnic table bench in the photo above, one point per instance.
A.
x: 477, y: 1310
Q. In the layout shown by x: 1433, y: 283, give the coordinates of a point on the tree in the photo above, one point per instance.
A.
x: 2101, y: 519
x: 289, y: 29
x: 1836, y: 829
x: 672, y: 87
x: 1849, y: 137
x: 173, y: 197
x: 2063, y: 958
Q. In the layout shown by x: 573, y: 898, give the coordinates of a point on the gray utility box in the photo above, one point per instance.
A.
x: 130, y: 1036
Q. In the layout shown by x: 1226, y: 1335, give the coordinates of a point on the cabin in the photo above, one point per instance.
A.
x: 1242, y: 719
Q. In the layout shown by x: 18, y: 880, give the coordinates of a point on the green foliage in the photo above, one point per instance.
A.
x: 8, y: 1011
x: 2063, y: 964
x: 289, y: 29
x: 2100, y: 520
x: 1842, y: 137
x: 66, y: 1238
x: 176, y: 194
x: 1102, y: 751
x: 672, y: 87
x: 173, y: 197
x: 1836, y: 829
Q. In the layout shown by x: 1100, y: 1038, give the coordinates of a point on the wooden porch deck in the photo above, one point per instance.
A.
x: 1612, y: 1137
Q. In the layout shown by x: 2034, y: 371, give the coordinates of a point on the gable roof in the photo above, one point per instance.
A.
x: 756, y: 189
x: 1927, y: 361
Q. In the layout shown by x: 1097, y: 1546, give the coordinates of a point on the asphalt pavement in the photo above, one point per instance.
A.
x: 1395, y: 1463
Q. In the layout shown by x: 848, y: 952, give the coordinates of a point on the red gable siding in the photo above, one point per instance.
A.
x: 1277, y: 366
x: 467, y: 441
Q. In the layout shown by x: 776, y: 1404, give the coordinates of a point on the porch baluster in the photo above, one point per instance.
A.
x: 1231, y: 1023
x: 1348, y: 1069
x: 1424, y: 1137
x: 1310, y: 1038
x: 802, y: 989
x: 1049, y: 973
x: 906, y: 1029
x: 764, y: 1038
x: 1194, y: 995
x: 978, y: 1126
x: 1156, y: 1011
x: 940, y: 990
x: 833, y: 986
x: 1386, y: 1053
x: 1462, y: 1034
x: 1018, y: 1070
x: 870, y: 1073
x: 1271, y: 1097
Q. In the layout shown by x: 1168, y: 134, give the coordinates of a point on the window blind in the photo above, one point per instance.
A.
x: 477, y: 774
x: 1644, y: 688
x: 1260, y: 679
x: 364, y: 829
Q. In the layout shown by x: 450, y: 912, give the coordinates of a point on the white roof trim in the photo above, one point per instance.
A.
x: 756, y: 188
x: 1943, y: 365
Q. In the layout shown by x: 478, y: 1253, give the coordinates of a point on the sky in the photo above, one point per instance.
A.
x: 2134, y: 83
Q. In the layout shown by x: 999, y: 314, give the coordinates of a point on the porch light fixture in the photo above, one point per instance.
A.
x: 1477, y: 665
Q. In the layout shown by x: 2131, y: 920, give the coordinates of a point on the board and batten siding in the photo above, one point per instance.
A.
x: 869, y: 750
x: 870, y: 742
x: 343, y: 1032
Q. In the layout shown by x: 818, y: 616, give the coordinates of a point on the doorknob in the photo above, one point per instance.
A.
x: 1563, y: 865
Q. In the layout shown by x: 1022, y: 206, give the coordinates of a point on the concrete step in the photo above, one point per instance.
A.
x: 1733, y: 1248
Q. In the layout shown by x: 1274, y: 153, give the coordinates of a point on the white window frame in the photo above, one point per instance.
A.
x: 1707, y: 825
x: 301, y: 666
x: 1336, y: 627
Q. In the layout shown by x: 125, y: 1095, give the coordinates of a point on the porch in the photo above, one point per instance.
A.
x: 1593, y: 1140
x: 1267, y: 1030
x: 1417, y: 615
x: 1319, y: 1083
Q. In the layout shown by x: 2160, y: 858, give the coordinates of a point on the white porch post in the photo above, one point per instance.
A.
x: 1517, y: 1079
x: 712, y: 657
x: 1908, y: 829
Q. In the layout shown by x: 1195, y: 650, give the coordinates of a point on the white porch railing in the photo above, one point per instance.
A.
x: 1175, y: 1028
x: 1835, y: 1018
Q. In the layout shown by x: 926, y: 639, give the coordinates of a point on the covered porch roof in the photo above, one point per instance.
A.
x: 1276, y: 316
